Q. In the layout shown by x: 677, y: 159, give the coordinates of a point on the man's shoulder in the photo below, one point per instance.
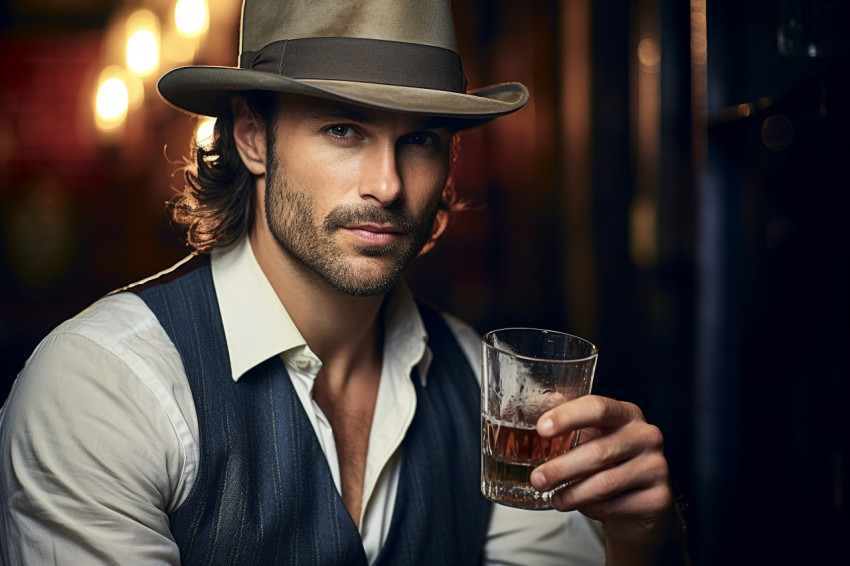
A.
x: 109, y: 321
x: 463, y: 331
x: 468, y: 339
x: 112, y: 354
x: 119, y: 330
x: 123, y: 315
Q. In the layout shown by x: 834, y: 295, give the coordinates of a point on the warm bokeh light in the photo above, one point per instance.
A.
x: 777, y: 132
x: 643, y: 232
x: 142, y: 52
x: 142, y: 42
x: 190, y: 16
x: 204, y: 132
x: 112, y: 100
x: 649, y: 55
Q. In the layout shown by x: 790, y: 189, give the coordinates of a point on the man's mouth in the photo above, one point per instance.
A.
x: 375, y: 234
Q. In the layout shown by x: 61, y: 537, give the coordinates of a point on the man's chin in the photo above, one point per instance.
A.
x: 365, y: 279
x: 365, y: 289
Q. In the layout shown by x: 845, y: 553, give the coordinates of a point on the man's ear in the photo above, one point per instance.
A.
x: 249, y: 132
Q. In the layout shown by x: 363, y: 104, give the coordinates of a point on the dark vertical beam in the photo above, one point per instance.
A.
x: 620, y: 332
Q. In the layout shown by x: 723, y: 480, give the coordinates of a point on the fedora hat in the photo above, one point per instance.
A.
x: 397, y: 55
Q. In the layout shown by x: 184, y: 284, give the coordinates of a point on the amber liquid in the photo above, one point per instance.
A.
x: 509, y: 454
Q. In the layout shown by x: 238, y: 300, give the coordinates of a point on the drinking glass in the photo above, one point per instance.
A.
x: 526, y: 372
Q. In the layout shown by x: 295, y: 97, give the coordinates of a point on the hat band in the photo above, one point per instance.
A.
x: 362, y: 60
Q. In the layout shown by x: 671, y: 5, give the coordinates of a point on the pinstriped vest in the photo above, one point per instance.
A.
x: 264, y: 493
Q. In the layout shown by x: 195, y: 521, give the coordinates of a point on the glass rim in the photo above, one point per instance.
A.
x: 594, y: 349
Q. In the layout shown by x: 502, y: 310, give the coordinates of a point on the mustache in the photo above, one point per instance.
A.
x: 346, y: 215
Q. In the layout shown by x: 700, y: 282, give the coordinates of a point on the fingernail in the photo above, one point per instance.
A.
x: 556, y: 499
x: 538, y: 480
x: 545, y: 426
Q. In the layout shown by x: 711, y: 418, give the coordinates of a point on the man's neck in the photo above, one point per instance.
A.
x: 342, y: 330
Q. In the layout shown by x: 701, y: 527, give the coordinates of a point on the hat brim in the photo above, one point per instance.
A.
x: 206, y: 90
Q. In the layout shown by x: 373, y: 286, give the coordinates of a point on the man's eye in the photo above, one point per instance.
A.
x: 421, y: 138
x: 341, y: 131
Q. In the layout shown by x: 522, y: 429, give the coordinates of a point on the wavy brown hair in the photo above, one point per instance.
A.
x: 216, y: 206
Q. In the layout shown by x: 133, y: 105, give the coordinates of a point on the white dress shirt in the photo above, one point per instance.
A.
x: 99, y: 436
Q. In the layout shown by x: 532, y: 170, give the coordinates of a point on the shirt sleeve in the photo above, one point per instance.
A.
x: 83, y: 447
x: 518, y: 537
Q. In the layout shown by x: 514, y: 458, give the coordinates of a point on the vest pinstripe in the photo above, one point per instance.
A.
x: 264, y: 493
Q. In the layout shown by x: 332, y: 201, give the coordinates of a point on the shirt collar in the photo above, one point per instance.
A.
x: 405, y: 337
x: 257, y: 326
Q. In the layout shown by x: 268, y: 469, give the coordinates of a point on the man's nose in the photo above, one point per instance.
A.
x: 380, y: 179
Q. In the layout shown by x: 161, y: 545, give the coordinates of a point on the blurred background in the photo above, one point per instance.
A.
x: 676, y: 191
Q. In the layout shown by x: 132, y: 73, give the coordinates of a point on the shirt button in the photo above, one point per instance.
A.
x: 302, y: 363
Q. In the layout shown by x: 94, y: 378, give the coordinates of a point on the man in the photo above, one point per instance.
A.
x: 283, y: 398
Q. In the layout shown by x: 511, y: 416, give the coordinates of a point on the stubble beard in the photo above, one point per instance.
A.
x: 290, y: 212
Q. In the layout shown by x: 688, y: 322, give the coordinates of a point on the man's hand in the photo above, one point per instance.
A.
x: 617, y: 474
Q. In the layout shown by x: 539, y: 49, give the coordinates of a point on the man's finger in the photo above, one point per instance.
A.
x: 587, y: 411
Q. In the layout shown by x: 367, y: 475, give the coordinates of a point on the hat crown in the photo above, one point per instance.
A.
x: 396, y: 55
x: 426, y: 22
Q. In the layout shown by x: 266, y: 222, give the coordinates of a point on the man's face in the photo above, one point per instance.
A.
x: 352, y: 193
